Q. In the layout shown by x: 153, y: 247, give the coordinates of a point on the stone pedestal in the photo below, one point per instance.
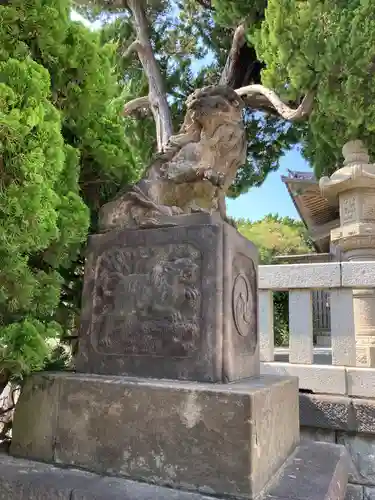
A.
x: 227, y: 440
x: 354, y: 185
x: 175, y: 302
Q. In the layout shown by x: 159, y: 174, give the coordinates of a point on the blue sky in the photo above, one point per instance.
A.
x: 272, y: 196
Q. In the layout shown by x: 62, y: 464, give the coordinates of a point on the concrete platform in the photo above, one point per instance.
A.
x: 317, y: 471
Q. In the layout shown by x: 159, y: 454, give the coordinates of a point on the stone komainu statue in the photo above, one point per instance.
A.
x: 200, y: 163
x: 196, y: 169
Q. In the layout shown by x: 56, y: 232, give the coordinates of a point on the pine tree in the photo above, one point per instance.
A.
x: 200, y: 33
x: 329, y: 45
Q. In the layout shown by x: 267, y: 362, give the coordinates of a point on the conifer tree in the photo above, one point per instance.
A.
x: 63, y: 152
x: 329, y: 45
x: 188, y: 34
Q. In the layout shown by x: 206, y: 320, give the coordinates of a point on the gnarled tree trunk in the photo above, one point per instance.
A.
x: 157, y: 99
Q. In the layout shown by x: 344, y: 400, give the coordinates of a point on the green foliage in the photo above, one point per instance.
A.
x: 32, y: 165
x: 329, y: 44
x: 63, y: 151
x: 191, y: 44
x: 274, y: 235
x: 234, y: 12
x: 25, y: 346
x: 268, y: 138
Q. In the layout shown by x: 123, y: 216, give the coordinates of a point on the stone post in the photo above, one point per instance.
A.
x: 354, y: 186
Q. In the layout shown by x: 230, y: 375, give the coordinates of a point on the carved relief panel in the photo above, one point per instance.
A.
x: 368, y: 207
x: 147, y: 301
x: 244, y: 300
x: 348, y: 209
x: 175, y: 302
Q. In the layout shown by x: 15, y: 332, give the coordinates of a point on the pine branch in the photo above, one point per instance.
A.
x: 262, y: 98
x: 157, y: 99
x: 135, y: 46
x: 136, y: 104
x: 239, y: 69
x: 232, y: 61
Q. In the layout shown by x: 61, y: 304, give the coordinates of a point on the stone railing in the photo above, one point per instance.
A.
x: 341, y: 376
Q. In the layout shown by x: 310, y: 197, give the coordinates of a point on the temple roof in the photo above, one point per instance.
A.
x: 318, y: 214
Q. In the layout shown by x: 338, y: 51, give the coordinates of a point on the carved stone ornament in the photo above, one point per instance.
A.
x: 357, y: 172
x: 242, y: 304
x: 354, y: 186
x: 171, y: 302
x: 195, y: 171
x: 146, y: 300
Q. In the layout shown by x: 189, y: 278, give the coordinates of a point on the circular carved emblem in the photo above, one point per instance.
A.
x: 243, y: 304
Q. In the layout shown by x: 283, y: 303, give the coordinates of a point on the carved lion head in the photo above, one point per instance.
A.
x: 213, y: 100
x: 183, y: 269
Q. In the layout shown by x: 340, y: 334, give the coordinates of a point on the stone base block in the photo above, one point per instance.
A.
x: 224, y: 439
x: 314, y: 472
x: 365, y: 356
x: 28, y: 480
x: 177, y: 302
x: 354, y: 492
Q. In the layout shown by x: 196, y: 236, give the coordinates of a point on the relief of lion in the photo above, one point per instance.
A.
x: 159, y: 294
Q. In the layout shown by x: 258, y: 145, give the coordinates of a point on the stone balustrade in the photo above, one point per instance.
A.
x: 337, y: 400
x: 342, y: 376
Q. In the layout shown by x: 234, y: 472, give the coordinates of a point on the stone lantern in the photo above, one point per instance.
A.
x: 354, y: 187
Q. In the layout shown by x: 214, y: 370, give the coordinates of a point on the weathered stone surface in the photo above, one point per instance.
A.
x: 43, y: 396
x: 317, y: 471
x: 196, y: 168
x: 312, y: 434
x: 362, y: 450
x: 174, y: 302
x: 26, y: 480
x: 361, y: 382
x: 369, y: 493
x: 315, y: 378
x: 337, y: 413
x: 354, y: 492
x: 300, y: 276
x: 226, y: 439
x: 364, y: 410
x: 326, y: 412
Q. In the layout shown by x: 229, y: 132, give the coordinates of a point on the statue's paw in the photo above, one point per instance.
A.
x: 177, y: 210
x: 199, y: 210
x: 216, y: 178
x: 176, y: 317
x: 191, y: 294
x: 105, y: 342
x: 202, y: 173
x: 149, y: 223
